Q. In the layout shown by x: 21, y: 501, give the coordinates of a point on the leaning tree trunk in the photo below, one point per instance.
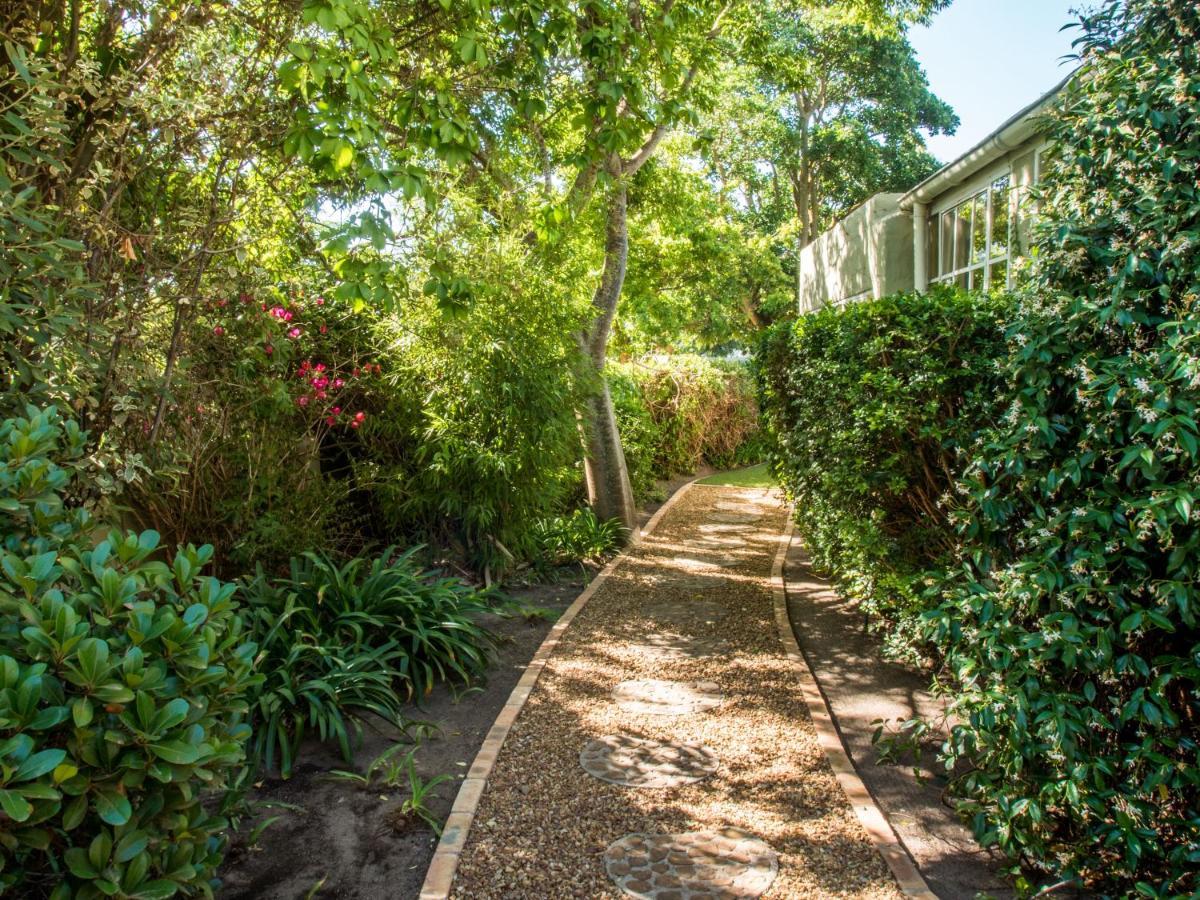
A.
x: 609, y: 488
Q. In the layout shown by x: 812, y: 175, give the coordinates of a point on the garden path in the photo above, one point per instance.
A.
x: 670, y: 707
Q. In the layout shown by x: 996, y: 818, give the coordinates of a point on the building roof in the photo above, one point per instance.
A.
x: 1011, y: 134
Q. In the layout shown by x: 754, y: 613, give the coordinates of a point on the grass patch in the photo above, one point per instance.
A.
x: 752, y: 476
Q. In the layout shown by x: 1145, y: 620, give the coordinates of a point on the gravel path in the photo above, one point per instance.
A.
x: 691, y: 604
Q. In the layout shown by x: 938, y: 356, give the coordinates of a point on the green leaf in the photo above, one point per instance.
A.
x: 176, y: 752
x: 79, y: 865
x: 130, y: 846
x: 15, y: 807
x: 38, y: 765
x: 113, y: 806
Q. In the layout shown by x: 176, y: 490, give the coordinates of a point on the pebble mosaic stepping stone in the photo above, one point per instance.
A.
x: 639, y: 763
x: 684, y: 612
x: 671, y: 647
x: 700, y: 865
x: 726, y: 528
x: 648, y: 696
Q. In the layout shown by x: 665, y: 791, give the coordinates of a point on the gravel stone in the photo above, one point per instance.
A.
x: 651, y: 696
x: 553, y: 826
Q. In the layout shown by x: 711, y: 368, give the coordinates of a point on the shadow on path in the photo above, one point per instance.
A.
x: 861, y: 687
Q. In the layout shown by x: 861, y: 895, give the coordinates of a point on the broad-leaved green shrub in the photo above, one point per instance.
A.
x: 1072, y: 645
x: 122, y: 681
x: 869, y: 407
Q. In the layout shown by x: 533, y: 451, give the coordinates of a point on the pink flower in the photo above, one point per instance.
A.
x: 320, y: 367
x: 320, y: 301
x: 269, y: 349
x: 303, y: 401
x: 329, y: 421
x: 218, y: 331
x: 359, y: 416
x: 355, y: 424
x: 337, y: 410
x: 294, y: 333
x: 323, y: 329
x: 320, y: 382
x: 337, y: 382
x: 321, y: 395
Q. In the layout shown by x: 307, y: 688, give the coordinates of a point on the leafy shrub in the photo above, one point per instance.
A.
x: 677, y: 413
x: 580, y: 536
x: 868, y: 407
x: 122, y: 685
x: 1072, y: 645
x: 275, y: 385
x: 43, y: 285
x: 475, y: 437
x: 340, y: 641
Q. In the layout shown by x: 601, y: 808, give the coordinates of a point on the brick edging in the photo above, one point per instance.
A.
x: 904, y: 870
x: 439, y: 878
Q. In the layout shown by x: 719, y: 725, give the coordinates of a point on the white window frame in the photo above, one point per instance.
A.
x: 981, y: 184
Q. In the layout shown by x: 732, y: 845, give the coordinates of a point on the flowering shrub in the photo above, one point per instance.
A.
x: 870, y: 408
x: 1072, y: 644
x: 274, y: 384
x: 121, y: 692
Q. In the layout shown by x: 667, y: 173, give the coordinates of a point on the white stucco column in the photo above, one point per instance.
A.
x: 920, y: 246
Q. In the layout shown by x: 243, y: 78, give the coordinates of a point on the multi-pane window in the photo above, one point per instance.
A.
x: 969, y: 245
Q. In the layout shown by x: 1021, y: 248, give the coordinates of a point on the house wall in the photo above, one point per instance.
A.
x: 867, y: 254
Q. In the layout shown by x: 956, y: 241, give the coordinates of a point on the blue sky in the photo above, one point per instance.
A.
x: 990, y: 58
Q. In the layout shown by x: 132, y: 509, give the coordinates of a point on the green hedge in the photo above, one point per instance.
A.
x: 678, y: 413
x: 867, y: 407
x: 1072, y: 645
x: 1065, y: 554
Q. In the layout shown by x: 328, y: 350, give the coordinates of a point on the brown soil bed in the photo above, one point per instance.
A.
x: 543, y: 825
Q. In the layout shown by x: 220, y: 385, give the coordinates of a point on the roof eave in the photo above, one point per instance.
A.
x: 1015, y: 131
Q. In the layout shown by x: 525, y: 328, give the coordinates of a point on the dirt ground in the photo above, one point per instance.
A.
x: 338, y: 842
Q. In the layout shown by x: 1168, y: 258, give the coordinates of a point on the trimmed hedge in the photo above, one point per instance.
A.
x: 1064, y: 558
x: 1072, y: 644
x: 868, y: 407
x: 678, y: 413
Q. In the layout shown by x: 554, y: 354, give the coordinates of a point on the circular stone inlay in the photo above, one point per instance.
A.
x: 635, y: 762
x: 684, y: 612
x: 723, y: 865
x: 671, y: 647
x: 649, y: 696
x: 734, y: 518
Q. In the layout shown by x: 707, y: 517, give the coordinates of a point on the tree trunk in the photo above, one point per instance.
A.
x: 609, y: 488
